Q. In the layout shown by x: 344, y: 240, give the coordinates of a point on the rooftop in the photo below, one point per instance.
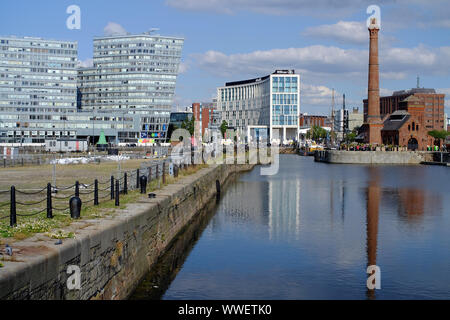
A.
x: 413, y: 91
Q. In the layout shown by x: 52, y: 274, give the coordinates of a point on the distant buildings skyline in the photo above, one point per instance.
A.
x: 127, y: 94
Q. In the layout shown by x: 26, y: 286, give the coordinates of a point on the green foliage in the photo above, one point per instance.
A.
x: 316, y: 133
x: 223, y: 128
x: 438, y: 135
x: 189, y: 125
x: 350, y: 137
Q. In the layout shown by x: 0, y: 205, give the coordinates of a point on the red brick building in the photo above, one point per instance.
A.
x: 203, y: 112
x: 433, y: 102
x: 409, y: 115
x: 306, y: 120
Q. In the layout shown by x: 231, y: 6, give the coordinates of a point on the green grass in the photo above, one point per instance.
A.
x: 54, y: 228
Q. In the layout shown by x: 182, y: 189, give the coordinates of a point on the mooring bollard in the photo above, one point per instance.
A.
x: 12, y: 208
x: 75, y: 207
x: 112, y: 187
x: 117, y: 203
x: 143, y: 184
x: 96, y: 192
x: 49, y: 201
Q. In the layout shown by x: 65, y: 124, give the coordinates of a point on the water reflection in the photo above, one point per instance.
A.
x: 284, y: 208
x: 373, y: 205
x: 310, y: 232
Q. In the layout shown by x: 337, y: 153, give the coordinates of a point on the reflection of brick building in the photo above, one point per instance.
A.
x: 409, y: 115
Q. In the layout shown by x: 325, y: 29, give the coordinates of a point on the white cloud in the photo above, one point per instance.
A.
x: 395, y: 13
x: 316, y: 95
x: 180, y: 102
x: 114, y: 29
x: 386, y: 92
x: 86, y: 63
x: 274, y: 7
x: 313, y: 59
x: 320, y: 62
x: 352, y: 32
x: 346, y: 32
x: 183, y: 68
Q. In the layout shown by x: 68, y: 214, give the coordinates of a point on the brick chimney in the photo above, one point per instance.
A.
x: 373, y: 111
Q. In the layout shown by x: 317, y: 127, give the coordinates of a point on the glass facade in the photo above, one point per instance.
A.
x: 128, y: 93
x: 136, y: 73
x: 37, y: 87
x: 272, y: 102
x: 285, y: 100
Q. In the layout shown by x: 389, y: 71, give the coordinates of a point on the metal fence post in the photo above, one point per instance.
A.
x: 49, y: 201
x: 96, y: 192
x: 164, y: 173
x: 137, y: 178
x: 117, y: 193
x: 125, y: 185
x: 112, y: 187
x: 149, y: 174
x: 77, y: 189
x: 12, y: 206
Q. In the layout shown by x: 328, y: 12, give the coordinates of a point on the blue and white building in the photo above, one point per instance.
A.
x: 127, y: 94
x: 257, y: 107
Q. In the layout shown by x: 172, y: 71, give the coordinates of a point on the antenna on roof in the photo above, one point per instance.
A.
x: 152, y: 30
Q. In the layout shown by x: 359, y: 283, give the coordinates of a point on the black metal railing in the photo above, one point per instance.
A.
x: 57, y: 198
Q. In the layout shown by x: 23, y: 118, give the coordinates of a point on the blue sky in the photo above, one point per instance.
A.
x: 326, y: 41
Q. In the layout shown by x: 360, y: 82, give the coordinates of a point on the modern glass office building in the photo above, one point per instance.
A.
x: 37, y: 88
x: 258, y: 106
x: 133, y: 74
x: 127, y: 94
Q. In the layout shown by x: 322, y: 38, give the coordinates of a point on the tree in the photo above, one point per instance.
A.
x: 189, y: 125
x: 223, y: 128
x: 438, y: 135
x: 316, y: 133
x: 350, y: 137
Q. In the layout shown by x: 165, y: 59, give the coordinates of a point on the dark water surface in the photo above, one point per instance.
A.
x: 310, y: 231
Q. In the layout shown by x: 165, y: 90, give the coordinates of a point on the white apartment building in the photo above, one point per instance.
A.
x: 259, y: 106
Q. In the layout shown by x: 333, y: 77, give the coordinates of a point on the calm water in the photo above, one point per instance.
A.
x: 310, y: 231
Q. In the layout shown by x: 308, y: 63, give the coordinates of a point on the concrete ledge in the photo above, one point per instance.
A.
x: 372, y: 157
x: 113, y: 253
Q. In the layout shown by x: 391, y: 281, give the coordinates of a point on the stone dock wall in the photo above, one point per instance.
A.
x: 113, y: 253
x: 372, y: 157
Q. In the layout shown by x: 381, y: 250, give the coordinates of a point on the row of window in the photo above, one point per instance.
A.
x: 284, y: 120
x: 285, y: 109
